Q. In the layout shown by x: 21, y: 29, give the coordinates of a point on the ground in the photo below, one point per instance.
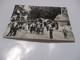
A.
x: 57, y: 35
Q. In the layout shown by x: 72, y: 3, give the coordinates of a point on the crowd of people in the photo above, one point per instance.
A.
x: 37, y: 26
x: 40, y: 25
x: 34, y: 27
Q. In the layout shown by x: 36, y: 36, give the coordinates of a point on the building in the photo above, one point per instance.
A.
x: 62, y: 19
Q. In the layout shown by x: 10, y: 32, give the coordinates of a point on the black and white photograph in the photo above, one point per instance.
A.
x: 42, y: 23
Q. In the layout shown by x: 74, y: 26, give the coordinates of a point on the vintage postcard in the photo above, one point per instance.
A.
x: 40, y: 23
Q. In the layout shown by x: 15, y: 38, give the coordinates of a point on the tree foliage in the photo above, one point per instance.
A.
x: 44, y: 12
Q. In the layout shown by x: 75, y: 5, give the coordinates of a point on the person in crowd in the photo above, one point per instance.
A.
x: 31, y: 28
x: 29, y: 25
x: 51, y: 33
x: 34, y: 26
x: 18, y: 17
x: 65, y: 32
x: 38, y: 29
x: 26, y: 27
x: 11, y: 27
x: 15, y: 28
x: 53, y: 24
x: 47, y: 27
x: 42, y: 28
x: 45, y: 23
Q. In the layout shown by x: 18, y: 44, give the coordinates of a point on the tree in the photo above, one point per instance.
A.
x: 44, y: 12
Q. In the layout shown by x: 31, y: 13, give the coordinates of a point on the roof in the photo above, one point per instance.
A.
x: 62, y: 17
